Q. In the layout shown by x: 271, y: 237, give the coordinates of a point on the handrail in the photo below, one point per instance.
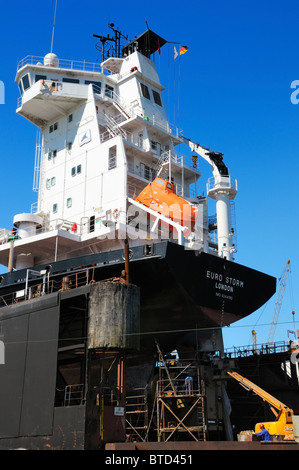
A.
x: 250, y: 350
x: 63, y: 64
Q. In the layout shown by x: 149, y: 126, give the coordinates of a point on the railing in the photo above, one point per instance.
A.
x: 63, y: 63
x: 73, y: 395
x: 250, y: 350
x: 55, y: 86
x: 44, y: 286
x: 58, y: 224
x: 176, y: 158
x: 222, y: 182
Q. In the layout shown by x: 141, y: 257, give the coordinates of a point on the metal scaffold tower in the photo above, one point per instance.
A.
x: 180, y: 395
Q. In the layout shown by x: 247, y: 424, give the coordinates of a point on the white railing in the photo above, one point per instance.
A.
x: 176, y: 158
x: 63, y: 64
x: 223, y: 181
x: 58, y: 224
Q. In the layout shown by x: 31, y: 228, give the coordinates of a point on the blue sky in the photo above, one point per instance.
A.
x: 231, y: 92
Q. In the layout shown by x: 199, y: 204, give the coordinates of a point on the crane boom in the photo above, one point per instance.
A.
x: 250, y: 386
x: 278, y: 303
x: 213, y: 158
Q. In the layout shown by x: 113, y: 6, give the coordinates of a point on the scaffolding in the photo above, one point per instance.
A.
x: 180, y: 398
x: 137, y: 424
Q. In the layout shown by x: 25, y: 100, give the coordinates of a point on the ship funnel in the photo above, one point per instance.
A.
x: 51, y: 60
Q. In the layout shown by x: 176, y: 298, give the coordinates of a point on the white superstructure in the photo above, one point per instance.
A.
x: 103, y: 135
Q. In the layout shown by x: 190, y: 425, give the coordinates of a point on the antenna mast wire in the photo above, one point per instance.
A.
x: 53, y: 27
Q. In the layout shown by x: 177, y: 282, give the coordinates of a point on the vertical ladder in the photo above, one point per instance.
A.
x: 37, y: 160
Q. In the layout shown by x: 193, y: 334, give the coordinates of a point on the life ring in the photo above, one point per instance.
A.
x: 115, y: 213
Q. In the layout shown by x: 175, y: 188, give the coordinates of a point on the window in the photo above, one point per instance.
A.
x: 70, y: 118
x: 20, y: 87
x: 97, y: 86
x: 91, y: 223
x: 76, y: 170
x: 69, y: 202
x: 26, y: 83
x: 52, y: 154
x: 146, y: 172
x: 70, y: 80
x: 145, y: 91
x: 53, y: 127
x: 55, y: 208
x: 109, y: 91
x: 112, y: 158
x: 69, y: 145
x: 40, y: 77
x: 157, y: 98
x: 50, y: 182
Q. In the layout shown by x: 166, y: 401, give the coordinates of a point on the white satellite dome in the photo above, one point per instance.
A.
x: 51, y: 60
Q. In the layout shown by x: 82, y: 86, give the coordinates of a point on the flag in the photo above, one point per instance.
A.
x: 183, y: 49
x: 175, y: 53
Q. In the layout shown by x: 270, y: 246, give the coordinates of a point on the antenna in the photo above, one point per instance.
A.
x: 116, y: 40
x: 53, y: 27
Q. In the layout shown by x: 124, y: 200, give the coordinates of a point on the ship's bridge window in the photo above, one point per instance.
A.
x: 70, y: 80
x: 20, y: 87
x: 40, y: 77
x: 157, y: 98
x: 69, y: 202
x: 109, y: 91
x: 97, y: 86
x: 144, y: 90
x: 26, y: 82
x: 55, y: 208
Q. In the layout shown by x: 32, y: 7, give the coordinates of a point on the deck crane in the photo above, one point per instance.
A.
x: 277, y: 307
x: 222, y: 188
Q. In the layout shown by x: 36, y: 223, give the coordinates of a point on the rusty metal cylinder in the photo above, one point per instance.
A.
x: 114, y: 316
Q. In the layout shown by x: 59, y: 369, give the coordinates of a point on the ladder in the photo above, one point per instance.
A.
x: 113, y: 127
x: 137, y: 415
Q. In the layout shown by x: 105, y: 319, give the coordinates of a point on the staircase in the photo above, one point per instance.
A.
x: 113, y: 127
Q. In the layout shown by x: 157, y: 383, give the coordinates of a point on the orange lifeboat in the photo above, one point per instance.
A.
x: 160, y: 196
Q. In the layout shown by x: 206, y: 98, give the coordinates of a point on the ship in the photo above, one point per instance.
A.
x: 118, y: 281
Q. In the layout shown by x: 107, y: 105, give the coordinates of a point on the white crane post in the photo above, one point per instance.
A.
x: 223, y: 189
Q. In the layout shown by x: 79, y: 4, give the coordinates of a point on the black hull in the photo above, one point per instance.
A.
x: 197, y: 289
x: 47, y: 347
x: 181, y: 293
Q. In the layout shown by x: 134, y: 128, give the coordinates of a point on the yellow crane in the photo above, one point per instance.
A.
x: 283, y: 424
